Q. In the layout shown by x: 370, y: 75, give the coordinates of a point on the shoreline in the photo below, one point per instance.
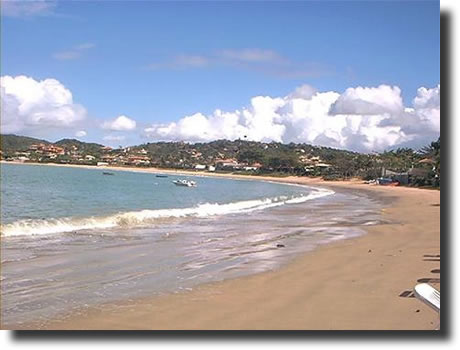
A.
x: 153, y: 170
x: 291, y: 180
x: 348, y: 284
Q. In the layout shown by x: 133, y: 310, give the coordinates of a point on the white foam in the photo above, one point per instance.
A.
x: 319, y: 192
x: 146, y: 217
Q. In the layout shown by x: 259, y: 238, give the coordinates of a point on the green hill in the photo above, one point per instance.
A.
x: 12, y: 142
x: 272, y: 157
x: 75, y: 142
x: 83, y: 146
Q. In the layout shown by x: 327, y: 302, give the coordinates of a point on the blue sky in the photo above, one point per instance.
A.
x: 158, y: 62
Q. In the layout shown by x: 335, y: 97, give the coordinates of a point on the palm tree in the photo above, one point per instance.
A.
x: 433, y: 153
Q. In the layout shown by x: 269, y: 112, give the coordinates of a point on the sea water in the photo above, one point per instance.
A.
x: 73, y: 238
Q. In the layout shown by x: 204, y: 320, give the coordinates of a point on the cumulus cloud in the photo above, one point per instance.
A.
x: 304, y: 91
x: 361, y: 119
x: 120, y: 123
x: 426, y: 105
x: 365, y: 100
x: 80, y: 133
x: 28, y: 104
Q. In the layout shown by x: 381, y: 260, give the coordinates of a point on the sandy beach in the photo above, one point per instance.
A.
x: 352, y: 284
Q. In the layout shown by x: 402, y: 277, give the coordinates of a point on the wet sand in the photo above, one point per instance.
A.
x: 360, y: 283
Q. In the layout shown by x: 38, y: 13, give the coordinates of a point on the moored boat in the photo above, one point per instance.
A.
x: 185, y: 183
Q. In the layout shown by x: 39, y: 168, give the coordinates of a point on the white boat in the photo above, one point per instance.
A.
x: 186, y: 183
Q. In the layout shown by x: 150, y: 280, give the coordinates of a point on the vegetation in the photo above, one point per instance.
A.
x: 421, y: 167
x: 84, y: 147
x: 18, y: 143
x: 432, y: 153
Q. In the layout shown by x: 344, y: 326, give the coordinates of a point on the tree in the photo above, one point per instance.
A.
x: 433, y: 153
x: 250, y: 156
x: 282, y: 162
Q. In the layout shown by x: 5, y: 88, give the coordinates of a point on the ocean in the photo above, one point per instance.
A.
x: 73, y: 238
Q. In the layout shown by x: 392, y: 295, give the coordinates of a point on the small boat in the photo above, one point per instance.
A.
x: 107, y: 173
x: 185, y: 183
x: 387, y: 182
x: 161, y: 175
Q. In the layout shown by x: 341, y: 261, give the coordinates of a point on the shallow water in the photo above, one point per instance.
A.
x: 73, y: 238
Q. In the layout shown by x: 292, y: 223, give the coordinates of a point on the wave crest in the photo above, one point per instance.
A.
x: 147, y: 217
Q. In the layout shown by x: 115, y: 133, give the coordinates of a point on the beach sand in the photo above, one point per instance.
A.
x: 353, y: 284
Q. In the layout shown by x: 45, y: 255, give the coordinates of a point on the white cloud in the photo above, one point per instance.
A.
x: 362, y: 119
x: 85, y: 46
x: 254, y: 59
x: 426, y: 105
x: 251, y: 55
x: 66, y: 55
x: 365, y: 100
x: 114, y: 138
x: 427, y: 98
x: 304, y: 91
x: 28, y: 104
x: 182, y: 62
x: 80, y: 133
x: 27, y: 8
x: 120, y: 123
x: 74, y: 53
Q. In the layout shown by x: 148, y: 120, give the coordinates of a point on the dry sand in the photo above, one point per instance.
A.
x: 353, y: 284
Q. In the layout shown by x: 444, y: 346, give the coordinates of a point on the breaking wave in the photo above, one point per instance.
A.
x: 148, y: 217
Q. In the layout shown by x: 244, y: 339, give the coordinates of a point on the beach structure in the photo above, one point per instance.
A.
x: 405, y: 177
x: 46, y: 149
x: 138, y: 160
x: 322, y: 165
x: 228, y: 164
x: 253, y: 167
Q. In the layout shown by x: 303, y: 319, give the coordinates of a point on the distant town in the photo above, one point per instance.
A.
x: 411, y: 167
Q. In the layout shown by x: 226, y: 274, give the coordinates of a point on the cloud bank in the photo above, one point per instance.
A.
x: 28, y: 104
x: 361, y: 119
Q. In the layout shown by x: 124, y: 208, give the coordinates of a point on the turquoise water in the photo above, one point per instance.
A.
x: 44, y: 199
x: 74, y: 238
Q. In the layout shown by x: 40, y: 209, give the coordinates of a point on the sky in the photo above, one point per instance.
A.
x: 357, y: 75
